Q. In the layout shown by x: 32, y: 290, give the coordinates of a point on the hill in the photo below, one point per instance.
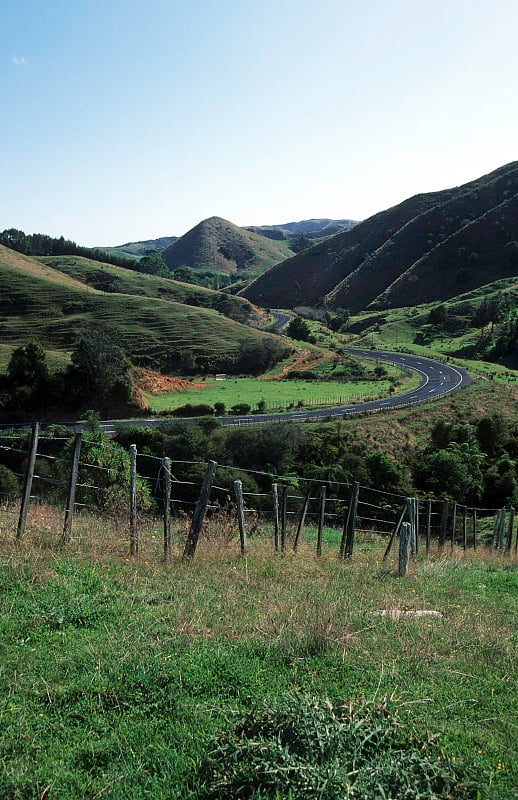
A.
x: 310, y: 228
x: 40, y: 302
x: 137, y: 249
x: 119, y: 280
x: 217, y: 244
x: 430, y: 247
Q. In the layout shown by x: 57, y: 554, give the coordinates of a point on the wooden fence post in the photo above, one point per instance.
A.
x: 238, y: 491
x: 347, y: 543
x: 275, y: 501
x: 509, y: 537
x: 416, y: 517
x: 27, y: 484
x: 501, y: 530
x: 411, y: 518
x: 321, y: 518
x: 133, y: 500
x: 166, y: 469
x: 199, y: 511
x: 302, y: 517
x: 404, y: 548
x: 395, y: 533
x: 444, y: 523
x: 453, y: 524
x: 71, y: 490
x: 465, y: 528
x: 474, y: 525
x: 428, y: 524
x: 284, y: 516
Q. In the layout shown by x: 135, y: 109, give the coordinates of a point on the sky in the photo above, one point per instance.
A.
x: 124, y: 120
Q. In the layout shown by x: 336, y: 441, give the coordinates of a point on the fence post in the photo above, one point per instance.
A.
x: 474, y: 524
x: 275, y: 501
x: 404, y: 548
x: 133, y: 500
x: 27, y: 485
x: 395, y: 533
x: 199, y: 511
x: 321, y: 518
x: 166, y: 468
x: 302, y: 518
x: 465, y: 528
x: 501, y: 530
x: 428, y: 524
x: 238, y: 491
x: 509, y: 538
x: 453, y: 524
x: 71, y: 491
x: 412, y: 521
x: 284, y: 516
x: 444, y: 522
x: 347, y: 543
x: 416, y: 518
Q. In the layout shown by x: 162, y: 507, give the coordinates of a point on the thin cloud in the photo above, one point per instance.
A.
x: 19, y: 61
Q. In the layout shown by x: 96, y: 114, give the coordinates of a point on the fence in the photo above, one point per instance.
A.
x: 75, y: 475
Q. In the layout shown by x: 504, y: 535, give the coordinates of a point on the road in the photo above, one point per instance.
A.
x: 437, y: 379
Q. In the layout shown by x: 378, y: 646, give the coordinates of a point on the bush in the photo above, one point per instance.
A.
x: 9, y: 486
x: 308, y: 748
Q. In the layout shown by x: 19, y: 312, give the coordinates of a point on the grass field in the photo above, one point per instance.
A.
x: 118, y: 673
x: 276, y: 394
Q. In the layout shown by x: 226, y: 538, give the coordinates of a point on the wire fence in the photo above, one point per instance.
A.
x: 71, y: 476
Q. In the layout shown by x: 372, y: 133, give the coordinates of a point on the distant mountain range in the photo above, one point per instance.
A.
x: 217, y: 244
x: 430, y: 247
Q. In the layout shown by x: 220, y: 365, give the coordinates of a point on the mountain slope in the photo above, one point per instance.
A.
x: 431, y: 246
x: 216, y: 244
x: 40, y: 302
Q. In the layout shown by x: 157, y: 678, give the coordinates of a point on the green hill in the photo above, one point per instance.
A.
x: 41, y: 302
x: 108, y: 278
x: 430, y: 247
x: 216, y: 244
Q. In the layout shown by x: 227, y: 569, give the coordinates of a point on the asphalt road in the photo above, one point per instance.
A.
x: 437, y: 379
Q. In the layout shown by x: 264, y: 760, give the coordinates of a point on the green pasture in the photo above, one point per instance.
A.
x: 120, y: 675
x: 276, y: 394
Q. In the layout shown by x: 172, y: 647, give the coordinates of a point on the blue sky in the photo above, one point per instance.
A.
x: 125, y: 120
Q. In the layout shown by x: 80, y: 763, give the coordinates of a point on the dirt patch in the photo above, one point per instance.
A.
x: 149, y: 382
x: 305, y: 359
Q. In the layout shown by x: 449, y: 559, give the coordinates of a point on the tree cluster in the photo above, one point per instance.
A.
x: 39, y: 244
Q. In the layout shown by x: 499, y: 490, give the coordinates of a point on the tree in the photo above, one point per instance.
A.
x: 99, y: 367
x: 28, y: 366
x: 298, y: 329
x: 152, y: 263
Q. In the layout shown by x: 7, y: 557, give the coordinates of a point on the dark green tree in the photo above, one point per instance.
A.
x: 28, y: 365
x: 99, y: 367
x: 152, y: 263
x: 298, y: 329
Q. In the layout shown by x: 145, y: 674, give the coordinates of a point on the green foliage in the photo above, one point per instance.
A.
x: 314, y: 748
x: 28, y: 365
x: 298, y: 329
x: 152, y: 263
x: 39, y: 244
x: 99, y: 367
x: 9, y: 486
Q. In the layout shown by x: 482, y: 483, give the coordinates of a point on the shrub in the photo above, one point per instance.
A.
x: 314, y: 748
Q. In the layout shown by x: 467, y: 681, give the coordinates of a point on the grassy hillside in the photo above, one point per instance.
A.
x: 112, y: 279
x: 43, y: 303
x: 137, y: 249
x: 430, y: 247
x: 220, y: 245
x: 453, y: 328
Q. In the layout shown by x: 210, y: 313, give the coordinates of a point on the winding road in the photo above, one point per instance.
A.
x: 437, y: 379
